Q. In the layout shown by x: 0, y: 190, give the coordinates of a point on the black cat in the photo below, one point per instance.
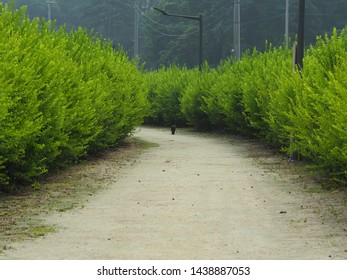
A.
x: 173, y: 129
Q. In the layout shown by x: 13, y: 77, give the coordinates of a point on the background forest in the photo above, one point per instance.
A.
x: 166, y: 40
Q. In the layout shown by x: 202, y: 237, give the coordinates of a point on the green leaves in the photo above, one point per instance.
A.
x: 194, y: 99
x: 61, y: 96
x: 166, y: 87
x: 300, y: 113
x: 320, y: 116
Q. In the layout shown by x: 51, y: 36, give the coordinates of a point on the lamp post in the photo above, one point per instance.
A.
x: 199, y: 18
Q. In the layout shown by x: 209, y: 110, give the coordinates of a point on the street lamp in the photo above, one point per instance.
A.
x: 199, y: 18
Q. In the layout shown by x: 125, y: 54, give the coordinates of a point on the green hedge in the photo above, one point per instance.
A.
x: 302, y: 114
x: 166, y: 86
x: 62, y: 95
x: 194, y: 106
x: 319, y: 117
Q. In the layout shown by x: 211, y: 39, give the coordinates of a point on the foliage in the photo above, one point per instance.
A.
x: 62, y: 95
x: 302, y: 113
x: 195, y: 95
x: 224, y: 105
x: 320, y: 116
x: 107, y: 17
x: 259, y: 85
x: 167, y: 40
x: 166, y: 86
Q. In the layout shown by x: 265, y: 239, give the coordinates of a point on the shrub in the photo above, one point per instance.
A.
x: 320, y: 116
x: 302, y: 113
x: 194, y: 98
x: 224, y: 105
x: 62, y: 95
x: 166, y: 87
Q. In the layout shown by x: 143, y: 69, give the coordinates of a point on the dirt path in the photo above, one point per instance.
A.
x: 196, y: 197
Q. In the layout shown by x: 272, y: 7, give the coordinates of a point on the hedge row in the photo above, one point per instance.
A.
x: 301, y: 113
x: 62, y: 95
x: 166, y: 86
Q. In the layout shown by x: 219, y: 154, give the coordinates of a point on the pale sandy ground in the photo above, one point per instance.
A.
x: 194, y: 197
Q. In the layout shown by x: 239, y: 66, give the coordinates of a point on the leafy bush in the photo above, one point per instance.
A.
x: 62, y: 95
x: 320, y: 116
x: 166, y: 87
x: 302, y: 113
x: 267, y: 71
x: 195, y: 96
x: 224, y: 105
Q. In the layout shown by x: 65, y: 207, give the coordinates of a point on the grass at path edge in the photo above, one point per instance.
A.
x: 21, y: 212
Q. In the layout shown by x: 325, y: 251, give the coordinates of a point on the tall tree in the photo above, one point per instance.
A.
x: 166, y: 40
x: 172, y: 40
x: 112, y: 18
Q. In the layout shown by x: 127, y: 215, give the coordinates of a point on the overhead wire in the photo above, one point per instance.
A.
x: 220, y: 13
x: 143, y: 16
x: 263, y: 19
x: 216, y: 19
x: 153, y: 21
x: 166, y: 34
x: 317, y: 14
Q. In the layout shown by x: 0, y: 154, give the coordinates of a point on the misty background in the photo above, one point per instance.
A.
x: 164, y: 40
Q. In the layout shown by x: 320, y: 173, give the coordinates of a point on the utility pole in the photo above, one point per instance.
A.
x: 49, y: 3
x: 301, y: 33
x: 200, y: 19
x: 136, y: 29
x: 237, y: 31
x: 200, y: 43
x: 287, y: 23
